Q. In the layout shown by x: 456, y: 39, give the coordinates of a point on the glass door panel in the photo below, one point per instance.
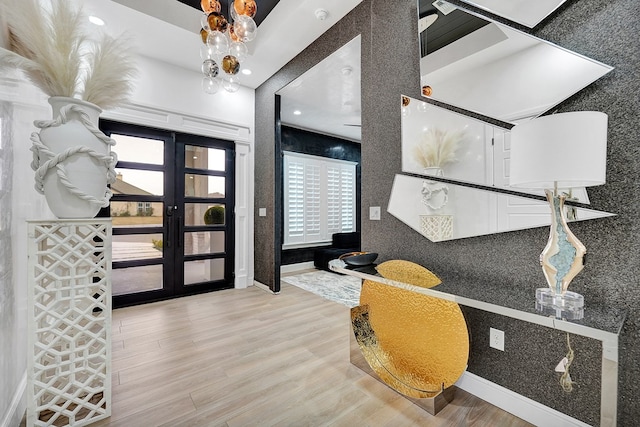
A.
x: 203, y: 242
x: 138, y: 182
x: 204, y: 214
x: 130, y: 148
x: 132, y: 280
x: 130, y: 247
x: 204, y: 185
x: 198, y: 157
x: 205, y: 270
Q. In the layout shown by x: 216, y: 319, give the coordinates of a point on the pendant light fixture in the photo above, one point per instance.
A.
x: 224, y: 42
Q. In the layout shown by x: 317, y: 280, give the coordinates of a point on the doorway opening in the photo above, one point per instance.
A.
x: 172, y: 209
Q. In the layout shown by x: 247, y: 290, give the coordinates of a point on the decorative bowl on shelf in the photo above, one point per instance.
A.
x: 359, y: 258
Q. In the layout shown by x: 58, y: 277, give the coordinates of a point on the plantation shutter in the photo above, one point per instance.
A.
x: 319, y: 198
x: 348, y: 198
x: 312, y: 199
x: 333, y: 200
x: 294, y: 200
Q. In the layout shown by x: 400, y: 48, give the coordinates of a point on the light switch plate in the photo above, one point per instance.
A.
x: 262, y: 212
x: 374, y: 213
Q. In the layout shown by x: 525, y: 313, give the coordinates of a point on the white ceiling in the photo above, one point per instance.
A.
x: 327, y: 96
x: 168, y: 30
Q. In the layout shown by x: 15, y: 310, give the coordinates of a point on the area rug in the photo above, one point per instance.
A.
x: 335, y: 287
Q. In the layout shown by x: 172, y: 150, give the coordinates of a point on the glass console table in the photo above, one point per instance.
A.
x: 599, y: 323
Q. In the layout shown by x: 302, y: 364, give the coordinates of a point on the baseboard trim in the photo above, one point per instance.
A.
x: 242, y: 282
x: 290, y: 268
x: 516, y: 404
x: 263, y: 287
x: 18, y: 406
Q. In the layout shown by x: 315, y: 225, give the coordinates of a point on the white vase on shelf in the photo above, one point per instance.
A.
x: 72, y: 159
x: 435, y: 194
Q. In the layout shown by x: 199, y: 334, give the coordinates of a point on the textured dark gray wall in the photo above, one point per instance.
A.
x: 606, y: 31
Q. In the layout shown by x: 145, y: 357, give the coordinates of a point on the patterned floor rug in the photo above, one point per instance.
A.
x: 335, y: 287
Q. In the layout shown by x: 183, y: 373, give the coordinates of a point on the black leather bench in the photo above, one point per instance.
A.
x: 341, y: 243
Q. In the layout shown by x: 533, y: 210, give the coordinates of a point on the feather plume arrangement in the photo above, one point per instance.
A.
x: 50, y: 47
x: 437, y: 147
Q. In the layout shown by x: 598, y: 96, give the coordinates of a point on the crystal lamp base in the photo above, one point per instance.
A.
x: 569, y: 306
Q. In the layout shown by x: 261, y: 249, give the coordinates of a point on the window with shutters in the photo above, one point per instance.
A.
x: 319, y: 199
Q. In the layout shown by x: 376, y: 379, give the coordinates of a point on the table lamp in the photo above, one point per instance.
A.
x: 560, y: 151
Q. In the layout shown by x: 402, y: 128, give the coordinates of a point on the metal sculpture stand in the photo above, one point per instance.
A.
x: 432, y: 405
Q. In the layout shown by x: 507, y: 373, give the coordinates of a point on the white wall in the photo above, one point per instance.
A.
x: 171, y: 88
x: 24, y: 104
x: 166, y: 97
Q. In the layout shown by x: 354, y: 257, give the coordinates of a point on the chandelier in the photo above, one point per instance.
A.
x: 225, y: 42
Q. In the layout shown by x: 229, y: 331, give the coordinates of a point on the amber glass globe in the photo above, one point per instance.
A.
x: 230, y: 64
x: 217, y: 22
x: 245, y: 7
x: 209, y: 6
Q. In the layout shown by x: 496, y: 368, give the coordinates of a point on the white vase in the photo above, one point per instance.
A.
x: 435, y: 194
x: 73, y: 159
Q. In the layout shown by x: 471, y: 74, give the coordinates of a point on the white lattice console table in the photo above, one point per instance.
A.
x: 69, y: 365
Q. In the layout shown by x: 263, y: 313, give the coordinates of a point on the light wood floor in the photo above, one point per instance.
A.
x: 249, y: 358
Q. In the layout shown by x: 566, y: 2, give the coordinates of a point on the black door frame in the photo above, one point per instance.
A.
x: 173, y: 227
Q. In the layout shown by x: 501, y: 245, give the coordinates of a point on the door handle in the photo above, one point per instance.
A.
x: 169, y: 212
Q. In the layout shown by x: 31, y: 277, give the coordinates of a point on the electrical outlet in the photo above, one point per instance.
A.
x: 496, y: 339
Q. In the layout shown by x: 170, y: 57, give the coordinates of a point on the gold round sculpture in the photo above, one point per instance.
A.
x: 217, y: 22
x: 417, y: 344
x: 230, y: 64
x: 408, y: 272
x: 245, y: 7
x: 209, y: 6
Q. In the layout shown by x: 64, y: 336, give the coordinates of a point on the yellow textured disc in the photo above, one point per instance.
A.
x: 415, y: 343
x: 408, y: 272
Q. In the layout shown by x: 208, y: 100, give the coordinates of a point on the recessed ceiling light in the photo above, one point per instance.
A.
x: 297, y: 112
x: 96, y: 21
x: 246, y: 71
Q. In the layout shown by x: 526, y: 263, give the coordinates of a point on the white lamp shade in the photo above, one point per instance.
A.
x: 567, y: 149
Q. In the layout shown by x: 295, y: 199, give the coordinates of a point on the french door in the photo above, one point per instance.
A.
x: 172, y: 209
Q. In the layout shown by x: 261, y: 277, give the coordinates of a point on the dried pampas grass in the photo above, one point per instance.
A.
x: 110, y: 74
x: 53, y: 52
x: 437, y: 147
